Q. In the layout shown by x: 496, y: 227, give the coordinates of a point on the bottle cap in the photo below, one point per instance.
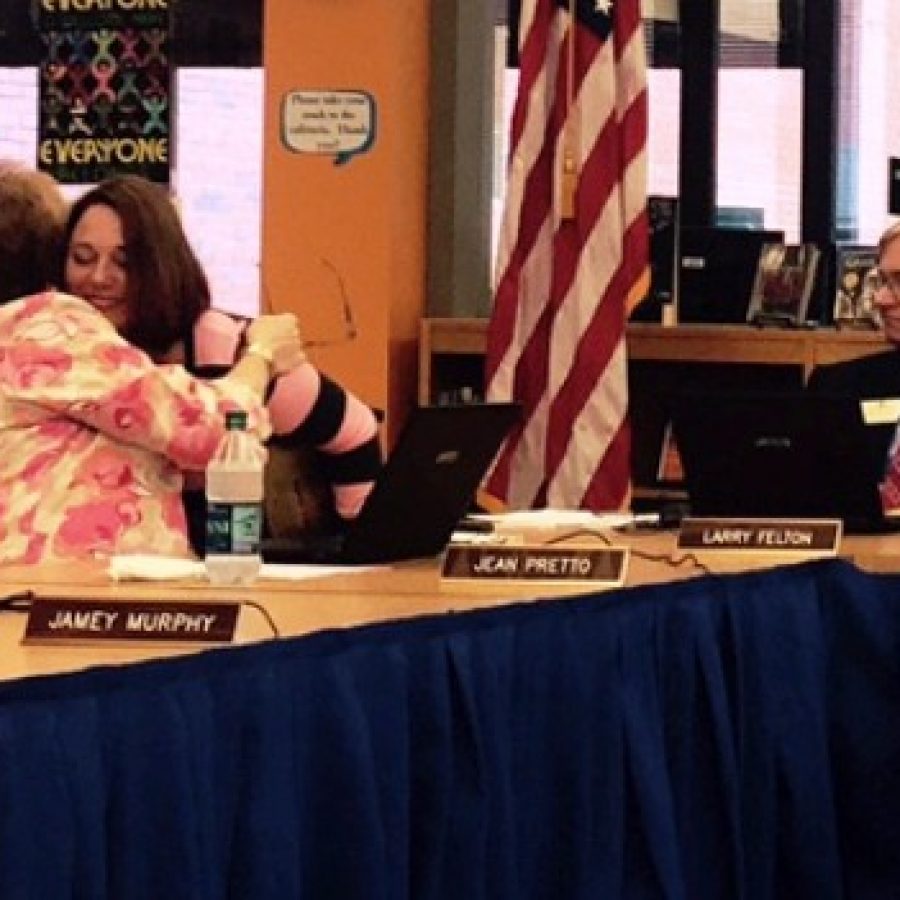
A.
x: 236, y: 420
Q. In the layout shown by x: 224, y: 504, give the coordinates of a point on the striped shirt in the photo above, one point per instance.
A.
x: 307, y: 409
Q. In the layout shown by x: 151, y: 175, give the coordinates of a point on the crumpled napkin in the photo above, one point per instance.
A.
x: 147, y: 567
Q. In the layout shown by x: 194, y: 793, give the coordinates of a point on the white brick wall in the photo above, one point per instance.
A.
x: 18, y: 114
x: 218, y: 176
x: 217, y: 171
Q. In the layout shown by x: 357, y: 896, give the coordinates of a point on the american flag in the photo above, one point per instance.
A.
x: 572, y: 256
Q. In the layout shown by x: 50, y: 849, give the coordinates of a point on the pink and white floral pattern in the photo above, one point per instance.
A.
x: 95, y: 438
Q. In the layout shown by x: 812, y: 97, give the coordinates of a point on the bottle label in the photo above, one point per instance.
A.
x: 233, y: 528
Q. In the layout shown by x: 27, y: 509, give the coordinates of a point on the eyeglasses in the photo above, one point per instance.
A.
x: 889, y: 280
x: 348, y: 325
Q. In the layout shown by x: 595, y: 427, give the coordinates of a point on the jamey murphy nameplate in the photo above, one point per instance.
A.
x: 93, y: 620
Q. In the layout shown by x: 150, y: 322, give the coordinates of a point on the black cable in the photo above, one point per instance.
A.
x: 580, y: 532
x: 21, y: 601
x: 265, y: 614
x: 668, y: 559
x: 672, y: 561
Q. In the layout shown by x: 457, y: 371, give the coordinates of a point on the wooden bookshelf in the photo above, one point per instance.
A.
x: 457, y: 346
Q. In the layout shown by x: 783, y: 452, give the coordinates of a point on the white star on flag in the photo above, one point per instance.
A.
x: 603, y: 6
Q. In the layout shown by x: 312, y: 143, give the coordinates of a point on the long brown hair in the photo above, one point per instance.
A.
x: 167, y: 289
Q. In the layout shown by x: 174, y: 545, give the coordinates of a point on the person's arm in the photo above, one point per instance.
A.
x: 273, y: 347
x: 58, y: 353
x: 254, y: 370
x: 310, y: 409
x: 219, y: 339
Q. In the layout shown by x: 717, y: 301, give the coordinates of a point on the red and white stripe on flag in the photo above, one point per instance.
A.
x: 556, y: 340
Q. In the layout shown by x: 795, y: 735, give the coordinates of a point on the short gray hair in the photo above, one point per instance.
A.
x: 31, y: 220
x: 888, y: 236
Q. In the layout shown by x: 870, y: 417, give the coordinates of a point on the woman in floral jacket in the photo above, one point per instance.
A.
x: 126, y: 252
x: 94, y: 436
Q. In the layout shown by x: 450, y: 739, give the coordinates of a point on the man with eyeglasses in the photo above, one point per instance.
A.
x: 877, y: 376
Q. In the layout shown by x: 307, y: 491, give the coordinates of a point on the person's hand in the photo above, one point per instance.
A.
x: 287, y: 354
x: 268, y: 329
x: 277, y: 338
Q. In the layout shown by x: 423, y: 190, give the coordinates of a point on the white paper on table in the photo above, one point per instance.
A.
x: 561, y: 518
x: 302, y: 571
x: 476, y: 537
x: 146, y: 567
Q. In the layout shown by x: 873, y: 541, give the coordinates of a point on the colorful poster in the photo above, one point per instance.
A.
x: 105, y: 89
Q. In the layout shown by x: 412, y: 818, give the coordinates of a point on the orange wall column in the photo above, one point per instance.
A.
x: 365, y: 218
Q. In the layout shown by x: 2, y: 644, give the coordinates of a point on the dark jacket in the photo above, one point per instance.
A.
x: 872, y: 377
x: 867, y: 378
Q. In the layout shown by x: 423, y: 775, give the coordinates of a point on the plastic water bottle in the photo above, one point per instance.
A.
x: 234, y: 511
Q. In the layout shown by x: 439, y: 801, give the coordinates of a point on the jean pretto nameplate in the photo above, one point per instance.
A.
x: 90, y: 620
x: 791, y: 536
x: 487, y: 562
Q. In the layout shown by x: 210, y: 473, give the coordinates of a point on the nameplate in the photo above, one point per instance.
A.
x: 792, y: 536
x: 600, y: 565
x: 885, y: 411
x: 90, y: 620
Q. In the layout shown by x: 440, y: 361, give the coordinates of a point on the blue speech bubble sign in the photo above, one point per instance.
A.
x: 329, y: 122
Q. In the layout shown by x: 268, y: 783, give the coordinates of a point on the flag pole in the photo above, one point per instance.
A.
x: 569, y: 174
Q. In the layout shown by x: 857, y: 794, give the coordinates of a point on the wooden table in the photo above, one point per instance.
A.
x: 469, y: 754
x: 353, y: 598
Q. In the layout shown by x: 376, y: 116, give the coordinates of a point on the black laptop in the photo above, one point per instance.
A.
x: 782, y: 455
x: 717, y: 267
x: 424, y: 489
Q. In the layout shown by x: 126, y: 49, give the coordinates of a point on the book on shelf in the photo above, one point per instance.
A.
x: 784, y: 280
x: 854, y: 286
x: 662, y: 216
x: 459, y: 396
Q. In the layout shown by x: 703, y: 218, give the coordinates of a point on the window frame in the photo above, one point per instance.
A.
x: 700, y: 65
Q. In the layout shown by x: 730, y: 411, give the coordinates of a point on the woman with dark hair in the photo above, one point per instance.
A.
x: 127, y: 254
x: 94, y: 436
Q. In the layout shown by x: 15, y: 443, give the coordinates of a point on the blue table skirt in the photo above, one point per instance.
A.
x: 728, y: 737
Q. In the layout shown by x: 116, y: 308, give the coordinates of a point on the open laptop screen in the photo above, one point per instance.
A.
x: 426, y: 486
x: 781, y: 455
x: 716, y: 270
